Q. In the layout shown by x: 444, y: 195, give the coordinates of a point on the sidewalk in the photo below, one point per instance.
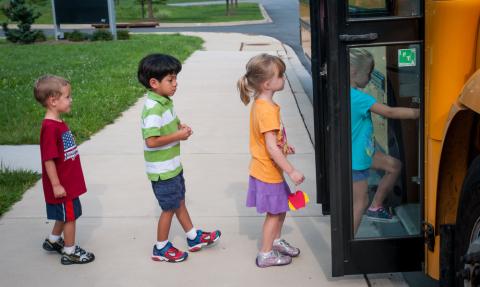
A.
x: 120, y: 212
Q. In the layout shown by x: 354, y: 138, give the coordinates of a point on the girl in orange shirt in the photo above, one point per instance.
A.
x: 267, y: 190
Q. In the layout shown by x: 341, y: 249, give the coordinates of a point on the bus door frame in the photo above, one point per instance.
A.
x: 332, y: 33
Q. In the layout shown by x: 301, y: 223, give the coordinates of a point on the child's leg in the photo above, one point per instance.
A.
x: 278, y: 233
x: 392, y: 168
x: 58, y: 228
x: 184, y: 217
x: 360, y: 202
x: 69, y: 233
x: 270, y: 230
x: 164, y: 223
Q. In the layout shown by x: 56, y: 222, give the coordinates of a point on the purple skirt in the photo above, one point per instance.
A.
x: 268, y: 197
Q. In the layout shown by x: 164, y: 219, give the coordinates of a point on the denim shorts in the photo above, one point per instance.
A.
x: 65, y: 212
x: 359, y: 175
x: 170, y: 192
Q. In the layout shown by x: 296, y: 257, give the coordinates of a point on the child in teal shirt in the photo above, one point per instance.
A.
x: 364, y: 155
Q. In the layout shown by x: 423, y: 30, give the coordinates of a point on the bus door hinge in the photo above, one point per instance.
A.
x: 428, y: 235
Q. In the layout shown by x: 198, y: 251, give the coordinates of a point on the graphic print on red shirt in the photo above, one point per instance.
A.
x: 57, y: 143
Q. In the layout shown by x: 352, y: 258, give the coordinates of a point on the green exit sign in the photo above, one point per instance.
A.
x: 407, y: 57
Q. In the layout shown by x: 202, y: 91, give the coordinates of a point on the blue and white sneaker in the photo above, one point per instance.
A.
x: 381, y: 215
x: 168, y: 253
x: 203, y: 239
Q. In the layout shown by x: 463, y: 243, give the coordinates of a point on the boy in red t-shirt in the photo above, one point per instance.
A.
x: 62, y: 175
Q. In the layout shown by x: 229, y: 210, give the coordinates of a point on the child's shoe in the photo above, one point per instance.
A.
x: 79, y: 256
x: 285, y: 248
x: 203, y: 239
x: 272, y: 258
x: 53, y: 246
x: 168, y: 253
x: 381, y: 215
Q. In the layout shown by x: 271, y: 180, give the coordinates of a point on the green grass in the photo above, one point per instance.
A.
x: 192, y: 1
x: 103, y: 77
x: 12, y: 186
x: 193, y: 14
x: 130, y: 11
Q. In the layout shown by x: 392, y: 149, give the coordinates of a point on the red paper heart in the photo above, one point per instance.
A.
x: 297, y: 199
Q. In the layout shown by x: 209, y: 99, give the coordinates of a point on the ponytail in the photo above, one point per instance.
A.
x: 244, y: 89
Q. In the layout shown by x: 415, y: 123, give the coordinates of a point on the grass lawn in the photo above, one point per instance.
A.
x: 192, y: 1
x: 103, y: 77
x: 193, y: 14
x: 12, y: 186
x: 130, y: 11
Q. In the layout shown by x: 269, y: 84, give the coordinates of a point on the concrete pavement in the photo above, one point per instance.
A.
x: 120, y: 212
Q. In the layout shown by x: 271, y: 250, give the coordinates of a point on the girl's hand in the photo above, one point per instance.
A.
x: 59, y: 191
x: 296, y: 176
x: 416, y: 113
x: 290, y: 150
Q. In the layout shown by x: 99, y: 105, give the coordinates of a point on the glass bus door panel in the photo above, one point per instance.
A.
x: 383, y: 8
x: 385, y: 159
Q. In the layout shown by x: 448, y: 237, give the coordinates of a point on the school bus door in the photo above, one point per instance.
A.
x: 392, y: 31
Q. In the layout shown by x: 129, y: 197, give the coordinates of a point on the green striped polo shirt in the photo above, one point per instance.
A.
x: 159, y: 119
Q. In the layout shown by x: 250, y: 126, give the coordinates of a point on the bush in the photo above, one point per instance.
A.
x: 18, y: 11
x: 40, y: 37
x: 75, y: 36
x: 123, y: 35
x: 102, y: 35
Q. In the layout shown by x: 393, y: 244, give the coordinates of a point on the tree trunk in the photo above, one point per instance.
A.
x: 228, y: 7
x: 150, y: 9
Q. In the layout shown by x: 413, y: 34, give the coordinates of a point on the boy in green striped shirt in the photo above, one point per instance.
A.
x: 162, y: 132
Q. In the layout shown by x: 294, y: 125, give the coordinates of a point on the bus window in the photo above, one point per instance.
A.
x: 385, y: 155
x: 383, y: 8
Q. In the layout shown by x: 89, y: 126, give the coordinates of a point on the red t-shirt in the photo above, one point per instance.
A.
x: 58, y: 144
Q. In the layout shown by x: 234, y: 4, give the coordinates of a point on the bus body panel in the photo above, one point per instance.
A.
x: 451, y: 56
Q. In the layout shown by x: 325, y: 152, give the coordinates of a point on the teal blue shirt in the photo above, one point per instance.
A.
x: 362, y: 129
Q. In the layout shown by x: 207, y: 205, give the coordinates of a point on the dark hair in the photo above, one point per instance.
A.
x: 157, y: 66
x: 48, y: 86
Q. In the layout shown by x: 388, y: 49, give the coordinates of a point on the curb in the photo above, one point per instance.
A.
x: 304, y: 105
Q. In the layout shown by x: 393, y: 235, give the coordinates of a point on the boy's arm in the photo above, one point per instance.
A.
x: 279, y: 158
x: 159, y: 141
x: 51, y: 169
x: 395, y: 112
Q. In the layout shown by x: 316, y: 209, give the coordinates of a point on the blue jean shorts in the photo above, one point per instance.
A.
x: 65, y: 212
x: 359, y: 175
x: 170, y: 192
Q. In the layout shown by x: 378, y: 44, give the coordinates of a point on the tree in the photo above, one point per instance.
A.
x: 150, y: 9
x: 230, y: 6
x: 18, y: 11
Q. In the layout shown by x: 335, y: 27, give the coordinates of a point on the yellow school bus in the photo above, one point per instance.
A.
x: 427, y: 56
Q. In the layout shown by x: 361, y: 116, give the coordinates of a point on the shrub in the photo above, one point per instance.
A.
x: 102, y: 35
x: 123, y: 35
x: 18, y: 11
x: 75, y: 36
x: 40, y: 37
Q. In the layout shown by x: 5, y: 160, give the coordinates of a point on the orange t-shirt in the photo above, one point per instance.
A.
x: 264, y: 117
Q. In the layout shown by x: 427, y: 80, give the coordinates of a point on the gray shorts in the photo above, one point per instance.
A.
x: 170, y: 192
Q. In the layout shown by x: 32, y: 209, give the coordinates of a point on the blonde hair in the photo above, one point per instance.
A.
x: 259, y: 70
x: 48, y: 86
x: 360, y: 59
